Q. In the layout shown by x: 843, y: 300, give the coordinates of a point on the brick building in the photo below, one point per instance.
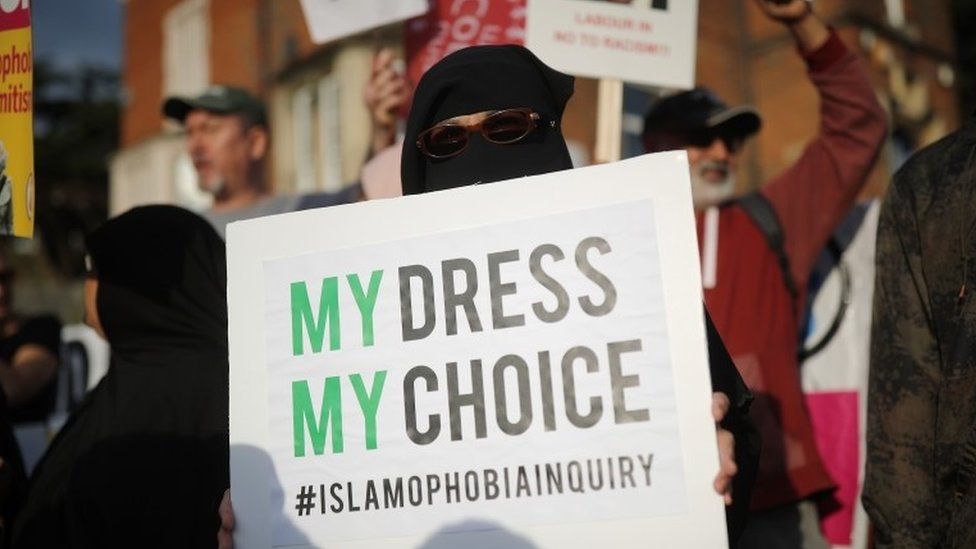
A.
x: 320, y: 126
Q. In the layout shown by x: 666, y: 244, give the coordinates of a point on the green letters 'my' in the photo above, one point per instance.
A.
x: 304, y: 417
x: 303, y: 319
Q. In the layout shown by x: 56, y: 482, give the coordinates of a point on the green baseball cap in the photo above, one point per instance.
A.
x: 220, y: 100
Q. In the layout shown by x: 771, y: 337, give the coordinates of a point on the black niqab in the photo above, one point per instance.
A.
x: 144, y: 460
x: 487, y: 78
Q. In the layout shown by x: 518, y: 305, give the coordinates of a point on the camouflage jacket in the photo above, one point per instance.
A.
x: 920, y: 486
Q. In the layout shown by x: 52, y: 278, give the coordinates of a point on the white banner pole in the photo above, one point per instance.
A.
x: 609, y: 120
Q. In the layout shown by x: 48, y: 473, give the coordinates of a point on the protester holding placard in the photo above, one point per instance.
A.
x: 757, y: 252
x: 468, y: 126
x: 490, y: 113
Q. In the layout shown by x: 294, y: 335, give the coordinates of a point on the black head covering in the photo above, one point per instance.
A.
x: 484, y: 78
x: 144, y: 459
x: 164, y: 259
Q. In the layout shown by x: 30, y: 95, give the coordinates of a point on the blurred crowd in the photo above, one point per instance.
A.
x: 156, y: 286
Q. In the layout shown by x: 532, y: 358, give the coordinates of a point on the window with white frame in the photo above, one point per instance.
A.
x: 316, y: 135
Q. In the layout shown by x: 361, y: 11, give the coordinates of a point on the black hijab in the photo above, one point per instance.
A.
x: 144, y: 460
x: 486, y: 78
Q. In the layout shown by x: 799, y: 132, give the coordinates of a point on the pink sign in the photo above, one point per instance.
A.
x: 835, y: 427
x: 451, y: 25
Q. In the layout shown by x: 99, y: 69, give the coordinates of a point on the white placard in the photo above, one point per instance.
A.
x: 333, y: 19
x: 519, y: 364
x: 643, y: 41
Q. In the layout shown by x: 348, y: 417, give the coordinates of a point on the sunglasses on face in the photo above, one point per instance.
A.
x: 450, y: 137
x: 704, y: 140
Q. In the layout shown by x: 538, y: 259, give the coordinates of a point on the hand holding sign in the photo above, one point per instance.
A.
x: 225, y: 538
x: 385, y: 94
x: 726, y: 448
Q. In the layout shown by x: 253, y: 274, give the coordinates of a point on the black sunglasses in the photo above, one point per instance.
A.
x: 447, y: 139
x: 704, y: 139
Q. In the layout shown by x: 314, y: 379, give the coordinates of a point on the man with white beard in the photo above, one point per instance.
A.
x: 758, y: 251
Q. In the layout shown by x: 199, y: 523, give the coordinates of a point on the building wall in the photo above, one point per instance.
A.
x: 142, y: 71
x: 235, y: 43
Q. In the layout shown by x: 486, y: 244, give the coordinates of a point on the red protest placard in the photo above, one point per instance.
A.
x: 451, y: 25
x: 14, y: 16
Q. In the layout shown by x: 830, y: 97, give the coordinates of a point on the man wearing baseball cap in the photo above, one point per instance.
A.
x: 758, y: 250
x: 228, y: 140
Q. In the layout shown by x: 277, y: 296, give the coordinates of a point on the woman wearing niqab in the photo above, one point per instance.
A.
x: 482, y: 80
x: 144, y: 460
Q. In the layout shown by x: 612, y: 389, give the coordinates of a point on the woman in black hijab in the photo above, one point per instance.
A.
x: 144, y: 460
x: 472, y: 122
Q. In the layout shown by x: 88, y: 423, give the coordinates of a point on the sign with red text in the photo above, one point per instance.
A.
x: 641, y: 41
x: 508, y: 365
x: 16, y: 119
x: 333, y: 19
x: 451, y: 25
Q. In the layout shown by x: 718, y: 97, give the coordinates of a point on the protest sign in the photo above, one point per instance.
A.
x: 16, y: 119
x: 515, y: 364
x: 643, y: 41
x: 333, y: 19
x: 451, y: 25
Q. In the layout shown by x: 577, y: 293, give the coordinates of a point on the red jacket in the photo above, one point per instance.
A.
x: 749, y: 301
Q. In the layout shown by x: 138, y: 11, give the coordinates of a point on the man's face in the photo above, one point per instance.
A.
x: 713, y: 161
x: 221, y: 149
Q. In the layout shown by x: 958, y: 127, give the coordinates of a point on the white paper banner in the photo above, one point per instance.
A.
x: 643, y: 41
x: 516, y: 361
x: 333, y: 19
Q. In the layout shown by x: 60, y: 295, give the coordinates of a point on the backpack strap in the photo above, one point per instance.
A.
x: 761, y: 212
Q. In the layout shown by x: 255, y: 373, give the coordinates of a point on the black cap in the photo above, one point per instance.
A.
x: 221, y: 100
x: 700, y: 110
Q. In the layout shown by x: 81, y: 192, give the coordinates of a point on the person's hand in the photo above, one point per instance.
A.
x: 808, y: 30
x: 225, y: 536
x: 726, y: 448
x: 785, y: 11
x: 384, y: 94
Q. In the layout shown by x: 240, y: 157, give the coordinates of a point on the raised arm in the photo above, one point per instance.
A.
x: 813, y: 196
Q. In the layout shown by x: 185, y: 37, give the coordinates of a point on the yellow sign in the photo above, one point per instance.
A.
x: 16, y: 119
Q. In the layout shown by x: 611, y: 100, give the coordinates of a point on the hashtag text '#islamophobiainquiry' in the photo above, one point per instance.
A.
x: 456, y: 487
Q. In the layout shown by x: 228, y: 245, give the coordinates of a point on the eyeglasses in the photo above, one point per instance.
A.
x: 503, y: 127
